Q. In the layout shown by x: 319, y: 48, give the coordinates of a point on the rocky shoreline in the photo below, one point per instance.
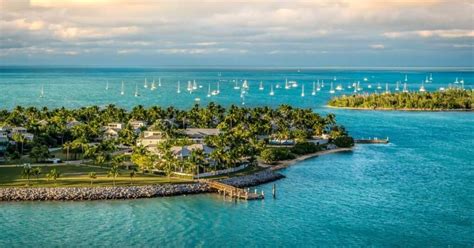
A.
x: 128, y: 192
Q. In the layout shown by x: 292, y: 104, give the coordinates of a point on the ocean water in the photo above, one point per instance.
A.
x: 416, y: 191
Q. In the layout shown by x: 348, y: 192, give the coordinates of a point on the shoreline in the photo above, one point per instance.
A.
x: 151, y: 191
x: 402, y: 109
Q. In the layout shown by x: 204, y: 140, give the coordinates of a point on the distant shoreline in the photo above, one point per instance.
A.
x: 403, y: 109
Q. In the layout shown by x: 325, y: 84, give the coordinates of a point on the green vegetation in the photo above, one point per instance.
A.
x: 451, y: 99
x: 81, y: 135
x: 344, y: 141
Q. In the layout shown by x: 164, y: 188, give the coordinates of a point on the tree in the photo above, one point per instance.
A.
x: 19, y: 138
x: 92, y: 176
x: 53, y: 175
x: 344, y: 141
x: 39, y: 153
x: 27, y: 172
x: 114, y: 173
x: 37, y: 172
x: 132, y: 175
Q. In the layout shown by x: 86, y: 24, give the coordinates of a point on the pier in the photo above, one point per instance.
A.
x: 372, y: 141
x: 234, y: 192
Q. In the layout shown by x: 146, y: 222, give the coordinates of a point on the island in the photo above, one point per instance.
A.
x: 454, y: 99
x: 94, y: 152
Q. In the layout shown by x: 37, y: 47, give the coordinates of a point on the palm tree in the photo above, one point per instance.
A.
x: 132, y: 175
x: 27, y: 172
x: 53, y: 174
x: 19, y: 138
x: 36, y: 172
x: 114, y: 173
x: 92, y: 176
x: 68, y: 146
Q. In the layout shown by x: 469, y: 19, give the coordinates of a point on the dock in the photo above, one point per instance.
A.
x: 233, y: 192
x: 372, y: 141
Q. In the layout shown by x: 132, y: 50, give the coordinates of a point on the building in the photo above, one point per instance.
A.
x: 185, y: 151
x: 72, y: 124
x: 110, y: 133
x: 137, y: 125
x: 197, y: 135
x: 21, y: 130
x: 3, y: 143
x: 151, y: 138
x: 115, y: 125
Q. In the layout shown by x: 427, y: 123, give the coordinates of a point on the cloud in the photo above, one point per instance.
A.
x: 232, y: 30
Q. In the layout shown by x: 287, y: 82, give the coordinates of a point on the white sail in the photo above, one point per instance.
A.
x: 318, y: 86
x: 159, y: 82
x: 271, y: 90
x: 136, y: 90
x: 179, y: 87
x: 42, y: 91
x: 145, y: 85
x: 302, y: 90
x: 406, y: 78
x: 422, y: 87
x: 236, y: 86
x: 122, y: 91
x: 431, y: 77
x: 195, y: 85
x: 107, y: 86
x: 314, y: 89
x: 261, y: 86
x: 387, y: 90
x: 287, y: 86
x: 331, y: 91
x: 209, y: 90
x: 405, y: 88
x: 397, y: 88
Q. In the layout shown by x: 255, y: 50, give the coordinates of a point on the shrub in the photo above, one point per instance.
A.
x: 344, y: 141
x: 305, y: 148
x: 271, y: 155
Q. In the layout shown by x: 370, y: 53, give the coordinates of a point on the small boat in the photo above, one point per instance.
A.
x: 339, y: 87
x: 422, y: 87
x: 406, y: 78
x: 442, y: 89
x: 107, y: 86
x: 379, y: 87
x: 209, y: 90
x: 293, y: 84
x: 335, y: 78
x: 195, y: 85
x: 278, y: 86
x: 426, y: 80
x: 314, y: 89
x: 136, y: 90
x: 153, y: 86
x: 431, y: 77
x: 349, y: 86
x: 461, y: 81
x: 42, y: 91
x: 387, y: 90
x: 245, y: 85
x: 358, y: 86
x: 145, y: 85
x: 366, y: 79
x: 261, y: 86
x: 456, y: 82
x: 397, y: 88
x: 197, y: 100
x: 190, y: 87
x: 159, y: 82
x: 405, y: 88
x: 271, y: 90
x: 302, y: 90
x: 369, y: 86
x: 318, y: 86
x: 122, y: 91
x: 179, y: 87
x: 332, y: 91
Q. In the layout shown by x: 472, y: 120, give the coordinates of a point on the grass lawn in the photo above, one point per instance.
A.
x: 77, y: 175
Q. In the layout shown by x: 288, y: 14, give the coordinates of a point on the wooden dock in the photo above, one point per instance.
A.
x: 372, y: 141
x: 233, y: 192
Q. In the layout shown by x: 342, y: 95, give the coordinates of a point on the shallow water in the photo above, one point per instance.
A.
x: 416, y: 191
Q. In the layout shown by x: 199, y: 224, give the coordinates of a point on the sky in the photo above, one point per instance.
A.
x: 296, y: 33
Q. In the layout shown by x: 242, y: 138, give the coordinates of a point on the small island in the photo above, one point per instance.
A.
x: 93, y: 153
x: 454, y: 99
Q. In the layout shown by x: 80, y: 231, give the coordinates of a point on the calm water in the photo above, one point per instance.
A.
x: 417, y: 191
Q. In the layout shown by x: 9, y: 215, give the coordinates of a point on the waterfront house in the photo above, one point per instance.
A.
x: 114, y: 125
x: 137, y: 125
x: 3, y: 143
x: 185, y: 151
x: 151, y: 138
x: 71, y: 124
x: 111, y: 133
x: 197, y: 135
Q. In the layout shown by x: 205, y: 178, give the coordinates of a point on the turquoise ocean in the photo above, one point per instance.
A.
x: 416, y: 191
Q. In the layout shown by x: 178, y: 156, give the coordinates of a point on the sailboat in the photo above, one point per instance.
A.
x: 153, y: 86
x: 369, y: 86
x: 456, y: 82
x: 314, y: 89
x: 366, y: 79
x: 261, y: 86
x: 277, y: 86
x: 461, y: 81
x: 379, y: 87
x: 271, y: 90
x: 179, y: 87
x: 426, y: 80
x: 302, y: 90
x: 405, y: 88
x: 387, y: 91
x: 159, y: 82
x: 422, y: 87
x: 349, y: 86
x: 42, y: 91
x: 322, y: 83
x: 287, y: 86
x: 122, y: 91
x: 209, y: 90
x: 318, y: 87
x: 335, y: 78
x: 339, y: 87
x: 236, y: 86
x: 218, y: 88
x: 358, y: 86
x: 406, y: 78
x: 331, y: 91
x: 146, y: 84
x: 190, y: 87
x: 397, y: 88
x: 107, y: 86
x: 136, y: 90
x: 293, y: 84
x: 195, y: 85
x: 245, y: 85
x: 431, y: 77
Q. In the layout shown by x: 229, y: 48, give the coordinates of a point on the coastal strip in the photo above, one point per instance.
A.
x: 401, y: 109
x: 286, y: 163
x: 128, y: 192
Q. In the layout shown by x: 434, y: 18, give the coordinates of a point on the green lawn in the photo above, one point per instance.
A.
x: 72, y: 176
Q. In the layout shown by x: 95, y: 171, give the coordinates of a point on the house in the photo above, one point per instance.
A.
x: 43, y: 123
x: 15, y: 130
x: 72, y: 124
x: 110, y: 133
x: 3, y: 143
x: 185, y: 151
x: 28, y: 136
x: 137, y: 125
x: 115, y: 125
x: 197, y: 135
x: 5, y: 129
x: 151, y: 138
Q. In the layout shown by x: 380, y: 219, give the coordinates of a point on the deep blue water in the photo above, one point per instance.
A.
x: 416, y: 191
